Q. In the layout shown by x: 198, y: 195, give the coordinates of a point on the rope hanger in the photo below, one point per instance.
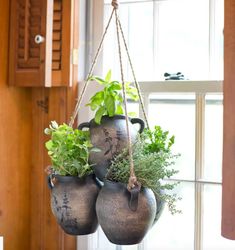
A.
x: 132, y: 183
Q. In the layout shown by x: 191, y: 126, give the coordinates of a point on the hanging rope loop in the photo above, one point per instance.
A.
x: 115, y: 4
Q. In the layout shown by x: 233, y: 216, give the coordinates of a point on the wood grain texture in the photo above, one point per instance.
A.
x: 26, y: 221
x: 45, y: 231
x: 65, y: 26
x: 28, y: 71
x: 50, y: 62
x: 15, y: 150
x: 228, y: 201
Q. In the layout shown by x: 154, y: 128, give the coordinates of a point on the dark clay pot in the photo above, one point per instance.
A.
x: 160, y: 208
x: 111, y: 138
x: 73, y: 203
x: 122, y: 223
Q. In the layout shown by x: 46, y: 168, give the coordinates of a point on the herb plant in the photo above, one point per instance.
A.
x: 153, y: 163
x: 68, y: 149
x: 109, y: 101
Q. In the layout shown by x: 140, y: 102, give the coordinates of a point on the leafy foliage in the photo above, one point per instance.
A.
x: 158, y: 140
x: 153, y: 163
x: 68, y: 149
x: 109, y: 100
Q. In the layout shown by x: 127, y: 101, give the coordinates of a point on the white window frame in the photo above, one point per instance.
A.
x: 94, y: 31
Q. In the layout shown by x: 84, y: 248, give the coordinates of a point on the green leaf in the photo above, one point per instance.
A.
x: 114, y: 86
x: 108, y: 76
x: 49, y: 145
x: 132, y: 114
x: 98, y: 80
x: 110, y: 105
x: 98, y: 96
x: 119, y: 110
x: 99, y: 113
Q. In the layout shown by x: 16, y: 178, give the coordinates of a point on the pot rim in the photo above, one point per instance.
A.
x: 110, y: 183
x: 115, y: 117
x: 68, y: 178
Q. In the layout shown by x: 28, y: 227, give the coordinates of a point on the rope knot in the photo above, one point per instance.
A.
x: 133, y: 183
x: 115, y: 4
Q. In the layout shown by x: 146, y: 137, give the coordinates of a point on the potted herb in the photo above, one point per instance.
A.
x: 108, y: 128
x: 73, y: 186
x: 153, y: 162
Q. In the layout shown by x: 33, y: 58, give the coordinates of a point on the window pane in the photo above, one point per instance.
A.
x: 217, y: 50
x: 175, y: 232
x: 139, y: 40
x: 167, y: 36
x: 183, y: 38
x: 176, y: 113
x: 213, y: 138
x: 212, y: 238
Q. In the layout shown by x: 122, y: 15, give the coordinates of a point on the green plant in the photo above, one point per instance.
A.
x: 109, y: 101
x: 153, y: 161
x: 68, y: 149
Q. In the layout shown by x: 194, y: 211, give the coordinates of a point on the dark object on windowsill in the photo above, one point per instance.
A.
x: 174, y: 76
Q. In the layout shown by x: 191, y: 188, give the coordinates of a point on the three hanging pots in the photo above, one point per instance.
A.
x: 73, y: 202
x: 125, y: 214
x: 110, y: 137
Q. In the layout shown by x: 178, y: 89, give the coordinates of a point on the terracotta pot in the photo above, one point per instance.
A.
x: 73, y: 203
x: 125, y: 220
x: 111, y: 138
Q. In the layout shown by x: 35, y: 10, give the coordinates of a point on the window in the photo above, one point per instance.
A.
x: 176, y: 36
x: 170, y: 36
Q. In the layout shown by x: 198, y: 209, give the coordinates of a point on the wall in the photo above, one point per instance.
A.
x: 228, y: 207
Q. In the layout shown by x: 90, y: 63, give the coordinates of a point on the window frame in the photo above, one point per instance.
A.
x: 94, y: 31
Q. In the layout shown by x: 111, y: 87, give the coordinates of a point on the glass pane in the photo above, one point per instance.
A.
x: 132, y: 247
x: 175, y: 232
x: 135, y: 18
x: 183, y: 38
x: 212, y: 238
x: 133, y: 109
x: 102, y: 241
x: 217, y: 55
x: 176, y: 113
x: 213, y: 138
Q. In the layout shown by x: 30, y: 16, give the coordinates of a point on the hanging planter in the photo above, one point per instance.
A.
x: 126, y: 211
x: 73, y: 203
x: 160, y: 206
x: 132, y: 163
x: 125, y: 216
x: 74, y: 189
x: 110, y: 136
x: 108, y: 129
